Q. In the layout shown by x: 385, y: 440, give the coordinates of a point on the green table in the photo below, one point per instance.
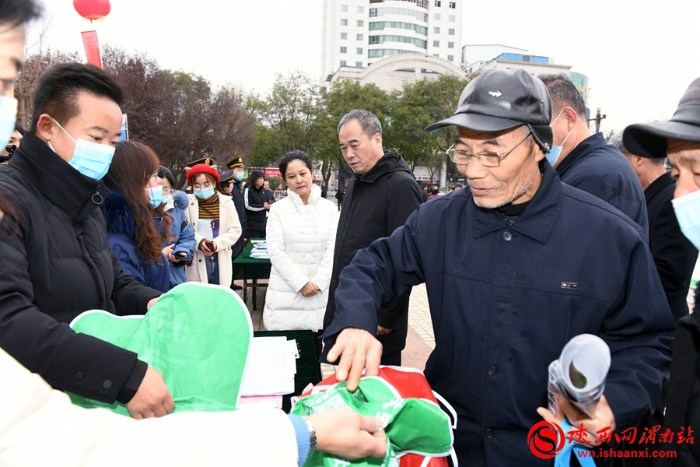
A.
x: 308, y: 368
x: 249, y: 270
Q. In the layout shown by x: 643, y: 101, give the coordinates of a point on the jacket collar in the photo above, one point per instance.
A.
x: 74, y: 193
x: 583, y: 150
x: 657, y: 185
x: 538, y: 219
x: 388, y: 163
x: 314, y: 196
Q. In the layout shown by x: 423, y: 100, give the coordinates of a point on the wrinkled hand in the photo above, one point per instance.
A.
x: 358, y: 350
x: 309, y: 290
x: 603, y: 418
x: 152, y: 399
x: 348, y: 434
x: 381, y: 330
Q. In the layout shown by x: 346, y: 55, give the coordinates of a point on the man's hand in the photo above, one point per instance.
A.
x: 266, y: 205
x: 348, y: 434
x: 603, y: 418
x: 357, y: 350
x: 152, y: 302
x: 309, y: 290
x: 381, y: 330
x: 152, y: 399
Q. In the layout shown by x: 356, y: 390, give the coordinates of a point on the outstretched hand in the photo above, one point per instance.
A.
x: 358, y: 350
x: 348, y: 434
x: 603, y: 422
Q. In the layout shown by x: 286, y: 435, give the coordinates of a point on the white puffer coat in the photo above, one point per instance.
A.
x: 300, y: 240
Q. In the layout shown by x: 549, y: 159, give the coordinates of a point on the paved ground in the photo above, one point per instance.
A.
x: 420, y: 341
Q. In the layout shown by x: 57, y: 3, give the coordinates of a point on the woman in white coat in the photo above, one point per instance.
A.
x: 215, y: 222
x: 300, y: 240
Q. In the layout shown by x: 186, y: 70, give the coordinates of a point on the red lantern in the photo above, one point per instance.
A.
x: 92, y: 9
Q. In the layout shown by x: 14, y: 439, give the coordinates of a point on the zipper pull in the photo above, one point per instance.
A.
x: 96, y: 196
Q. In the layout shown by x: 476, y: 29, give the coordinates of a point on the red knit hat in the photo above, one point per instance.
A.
x: 202, y: 169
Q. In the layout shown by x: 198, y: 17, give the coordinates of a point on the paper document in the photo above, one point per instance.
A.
x: 271, y: 367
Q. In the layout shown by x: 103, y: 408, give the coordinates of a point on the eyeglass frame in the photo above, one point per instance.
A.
x: 451, y: 150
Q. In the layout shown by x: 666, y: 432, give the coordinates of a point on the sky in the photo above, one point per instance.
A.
x: 639, y: 56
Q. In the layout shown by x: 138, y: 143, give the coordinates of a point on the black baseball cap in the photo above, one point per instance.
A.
x: 499, y: 100
x: 650, y: 139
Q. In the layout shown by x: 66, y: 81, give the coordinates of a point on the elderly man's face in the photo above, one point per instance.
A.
x: 360, y: 151
x: 685, y: 166
x: 515, y: 180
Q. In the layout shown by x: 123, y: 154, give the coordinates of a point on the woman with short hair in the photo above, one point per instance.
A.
x: 300, y: 240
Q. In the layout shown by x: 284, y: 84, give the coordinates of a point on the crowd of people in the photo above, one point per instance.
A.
x: 557, y: 233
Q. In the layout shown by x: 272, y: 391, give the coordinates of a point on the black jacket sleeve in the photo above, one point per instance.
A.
x: 68, y: 361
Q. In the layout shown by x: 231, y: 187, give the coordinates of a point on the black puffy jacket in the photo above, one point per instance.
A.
x: 56, y: 263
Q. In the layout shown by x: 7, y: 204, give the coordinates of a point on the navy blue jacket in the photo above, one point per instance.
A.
x: 601, y: 170
x: 182, y: 235
x: 501, y: 315
x: 121, y: 233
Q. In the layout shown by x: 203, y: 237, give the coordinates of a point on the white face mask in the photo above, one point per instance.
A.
x: 8, y: 117
x: 687, y: 208
x: 554, y: 153
x: 89, y: 158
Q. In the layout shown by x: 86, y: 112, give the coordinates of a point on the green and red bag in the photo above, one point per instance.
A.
x: 419, y: 432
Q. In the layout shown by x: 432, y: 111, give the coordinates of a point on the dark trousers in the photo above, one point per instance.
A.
x: 256, y: 234
x: 391, y: 359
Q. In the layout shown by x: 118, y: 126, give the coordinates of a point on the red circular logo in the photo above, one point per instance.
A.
x: 546, y: 439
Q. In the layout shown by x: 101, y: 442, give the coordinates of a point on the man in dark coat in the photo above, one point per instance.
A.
x: 237, y: 168
x: 56, y: 259
x: 586, y: 161
x: 514, y: 267
x: 381, y: 194
x: 256, y: 205
x: 679, y: 140
x: 674, y: 255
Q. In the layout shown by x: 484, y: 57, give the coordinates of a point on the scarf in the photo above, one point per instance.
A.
x: 209, y: 207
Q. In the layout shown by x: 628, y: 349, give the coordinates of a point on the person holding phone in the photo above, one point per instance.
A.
x: 215, y: 221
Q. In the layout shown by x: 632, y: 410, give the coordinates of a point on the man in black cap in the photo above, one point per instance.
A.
x: 673, y: 253
x: 586, y: 161
x: 679, y: 140
x: 514, y: 267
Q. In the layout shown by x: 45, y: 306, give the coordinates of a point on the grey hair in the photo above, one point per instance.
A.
x: 367, y: 120
x: 616, y: 140
x: 563, y: 93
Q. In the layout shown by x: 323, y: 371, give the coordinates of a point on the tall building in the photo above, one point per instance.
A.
x: 358, y: 33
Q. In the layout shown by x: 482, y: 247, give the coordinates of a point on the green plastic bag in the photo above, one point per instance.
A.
x: 412, y: 425
x: 197, y: 336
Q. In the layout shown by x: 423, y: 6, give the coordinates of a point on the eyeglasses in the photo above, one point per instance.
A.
x: 485, y: 158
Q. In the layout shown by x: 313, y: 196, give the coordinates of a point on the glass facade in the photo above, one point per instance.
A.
x: 375, y: 12
x: 379, y: 53
x: 406, y: 40
x: 380, y: 25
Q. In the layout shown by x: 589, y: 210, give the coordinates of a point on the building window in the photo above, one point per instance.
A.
x: 344, y: 8
x: 360, y: 23
x: 343, y: 50
x: 374, y: 39
x: 436, y: 30
x: 451, y: 32
x: 343, y: 35
x: 360, y: 37
x: 452, y: 18
x: 373, y: 12
x: 453, y: 5
x: 360, y: 9
x: 343, y: 63
x: 436, y: 43
x: 437, y: 3
x: 450, y: 45
x: 436, y: 16
x: 436, y: 55
x: 359, y: 50
x: 358, y: 63
x: 343, y: 22
x: 450, y: 58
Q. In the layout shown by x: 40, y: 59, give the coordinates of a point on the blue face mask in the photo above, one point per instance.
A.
x: 554, y: 153
x: 155, y: 195
x: 205, y: 193
x: 238, y: 177
x: 8, y: 116
x: 90, y: 159
x: 687, y: 209
x: 167, y: 198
